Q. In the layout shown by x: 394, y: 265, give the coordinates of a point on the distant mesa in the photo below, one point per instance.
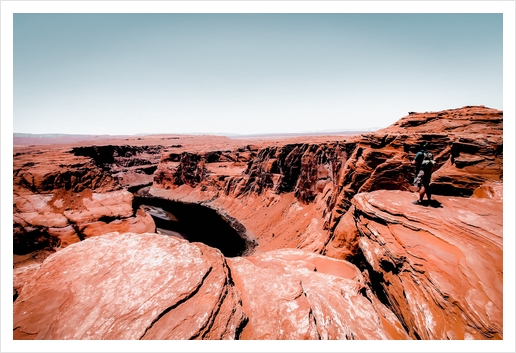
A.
x: 47, y: 139
x: 20, y: 139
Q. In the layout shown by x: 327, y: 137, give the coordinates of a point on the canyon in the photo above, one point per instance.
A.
x: 300, y: 238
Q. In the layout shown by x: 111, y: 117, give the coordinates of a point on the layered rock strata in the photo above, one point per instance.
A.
x: 42, y: 220
x: 423, y: 272
x: 314, y: 181
x: 62, y: 196
x: 318, y: 181
x: 149, y: 286
x: 439, y: 267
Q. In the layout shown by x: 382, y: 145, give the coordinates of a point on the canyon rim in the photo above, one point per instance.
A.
x: 173, y: 237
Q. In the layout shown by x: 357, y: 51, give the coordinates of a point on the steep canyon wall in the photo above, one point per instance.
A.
x: 322, y: 219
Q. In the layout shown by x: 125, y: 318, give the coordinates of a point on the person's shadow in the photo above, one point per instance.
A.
x: 432, y: 203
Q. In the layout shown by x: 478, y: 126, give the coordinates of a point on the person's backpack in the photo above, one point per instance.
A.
x: 428, y: 160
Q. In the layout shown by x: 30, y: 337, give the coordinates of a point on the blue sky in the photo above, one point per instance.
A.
x: 248, y: 73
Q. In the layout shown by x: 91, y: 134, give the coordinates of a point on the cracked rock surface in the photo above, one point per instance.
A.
x: 439, y: 266
x: 149, y: 286
x: 294, y: 294
x: 130, y: 286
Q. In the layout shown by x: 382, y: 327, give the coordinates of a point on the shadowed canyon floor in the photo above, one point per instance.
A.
x: 206, y: 237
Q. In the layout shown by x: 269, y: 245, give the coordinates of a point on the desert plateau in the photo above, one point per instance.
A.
x: 178, y: 237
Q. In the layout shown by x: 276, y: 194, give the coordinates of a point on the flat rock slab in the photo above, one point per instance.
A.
x: 130, y: 286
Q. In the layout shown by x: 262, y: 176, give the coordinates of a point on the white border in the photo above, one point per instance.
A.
x: 256, y: 6
x: 10, y: 7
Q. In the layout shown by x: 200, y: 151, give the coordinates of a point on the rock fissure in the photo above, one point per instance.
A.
x: 180, y: 301
x: 205, y: 330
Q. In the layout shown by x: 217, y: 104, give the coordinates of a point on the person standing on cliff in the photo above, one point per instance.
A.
x: 424, y: 162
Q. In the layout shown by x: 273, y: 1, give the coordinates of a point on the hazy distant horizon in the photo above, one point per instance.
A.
x: 51, y: 138
x: 316, y: 132
x: 248, y: 73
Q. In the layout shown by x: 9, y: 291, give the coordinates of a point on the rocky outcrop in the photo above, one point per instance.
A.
x: 62, y: 218
x: 130, y: 286
x: 149, y: 286
x: 439, y: 267
x: 129, y: 165
x: 324, y: 177
x: 187, y: 168
x: 99, y: 168
x: 338, y: 249
x: 474, y: 153
x: 43, y: 171
x: 62, y: 196
x: 474, y: 160
x: 467, y: 144
x: 293, y: 294
x: 470, y: 120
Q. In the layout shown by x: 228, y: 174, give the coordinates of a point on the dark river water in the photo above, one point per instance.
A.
x: 194, y: 223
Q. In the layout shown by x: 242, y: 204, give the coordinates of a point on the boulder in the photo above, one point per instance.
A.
x: 130, y: 286
x: 293, y: 294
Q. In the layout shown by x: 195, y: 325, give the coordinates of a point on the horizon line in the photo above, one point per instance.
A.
x: 228, y: 134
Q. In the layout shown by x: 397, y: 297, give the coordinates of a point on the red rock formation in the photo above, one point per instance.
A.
x: 293, y: 294
x: 469, y: 120
x: 149, y: 286
x: 44, y: 221
x: 63, y: 195
x: 50, y: 169
x: 425, y: 272
x: 439, y: 267
x: 130, y: 286
x: 324, y: 177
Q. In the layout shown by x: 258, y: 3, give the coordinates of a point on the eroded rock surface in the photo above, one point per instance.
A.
x: 470, y: 119
x: 128, y: 165
x: 439, y: 267
x: 149, y: 286
x: 422, y: 272
x: 47, y: 220
x: 324, y: 177
x: 130, y: 286
x: 293, y: 294
x: 63, y: 195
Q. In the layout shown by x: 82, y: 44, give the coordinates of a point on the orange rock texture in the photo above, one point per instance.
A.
x: 439, y: 268
x: 335, y: 249
x: 130, y: 286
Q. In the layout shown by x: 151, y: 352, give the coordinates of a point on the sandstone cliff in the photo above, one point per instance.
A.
x: 310, y: 186
x: 62, y: 196
x: 335, y: 248
x: 439, y: 268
